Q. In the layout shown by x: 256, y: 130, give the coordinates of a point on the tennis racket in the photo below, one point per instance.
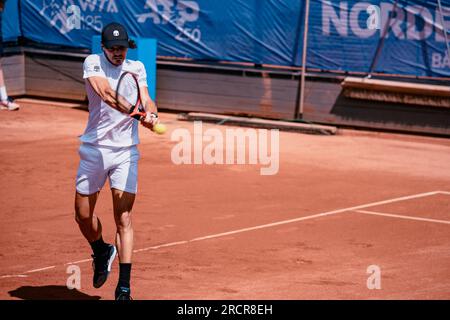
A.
x: 128, y: 96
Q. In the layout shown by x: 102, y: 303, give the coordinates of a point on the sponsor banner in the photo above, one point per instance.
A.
x: 10, y: 21
x: 235, y: 30
x: 391, y: 36
x: 348, y: 36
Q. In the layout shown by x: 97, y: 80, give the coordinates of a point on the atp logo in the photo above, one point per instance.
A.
x: 68, y: 15
x: 174, y: 12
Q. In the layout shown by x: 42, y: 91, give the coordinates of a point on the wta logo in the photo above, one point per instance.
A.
x: 68, y: 15
x: 179, y: 15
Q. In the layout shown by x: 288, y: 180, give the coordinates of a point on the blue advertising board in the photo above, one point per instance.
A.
x: 401, y: 36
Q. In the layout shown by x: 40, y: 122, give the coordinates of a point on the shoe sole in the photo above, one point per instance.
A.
x: 111, y: 260
x: 9, y: 109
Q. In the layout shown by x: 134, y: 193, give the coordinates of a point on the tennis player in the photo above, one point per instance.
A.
x: 109, y: 150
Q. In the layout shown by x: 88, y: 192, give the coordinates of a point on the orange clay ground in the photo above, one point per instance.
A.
x: 338, y: 205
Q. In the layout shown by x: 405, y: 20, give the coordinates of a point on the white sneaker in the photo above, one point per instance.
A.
x: 9, y: 105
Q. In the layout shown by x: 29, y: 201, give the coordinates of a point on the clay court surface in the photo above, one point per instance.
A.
x: 338, y: 205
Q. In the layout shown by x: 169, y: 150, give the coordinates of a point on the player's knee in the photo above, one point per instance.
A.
x: 123, y: 221
x: 81, y: 218
x: 78, y: 218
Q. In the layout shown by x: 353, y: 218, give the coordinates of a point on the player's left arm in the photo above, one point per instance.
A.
x: 147, y: 102
x: 150, y: 108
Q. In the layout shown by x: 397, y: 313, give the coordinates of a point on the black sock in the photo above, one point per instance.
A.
x: 124, y: 275
x: 98, y: 246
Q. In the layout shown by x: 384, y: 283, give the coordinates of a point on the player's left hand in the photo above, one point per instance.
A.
x: 150, y: 120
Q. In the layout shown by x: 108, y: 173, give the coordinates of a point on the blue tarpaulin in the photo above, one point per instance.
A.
x: 343, y: 35
x: 411, y: 41
x: 10, y: 21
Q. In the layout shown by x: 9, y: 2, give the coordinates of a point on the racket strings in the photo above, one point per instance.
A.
x: 127, y: 91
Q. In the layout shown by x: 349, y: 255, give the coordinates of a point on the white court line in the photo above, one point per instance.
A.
x: 323, y: 214
x: 268, y: 225
x: 161, y: 246
x: 14, y: 276
x: 79, y: 261
x: 41, y: 269
x: 402, y: 216
x: 444, y: 192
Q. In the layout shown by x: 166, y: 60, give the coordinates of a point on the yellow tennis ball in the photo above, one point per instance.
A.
x: 159, y: 128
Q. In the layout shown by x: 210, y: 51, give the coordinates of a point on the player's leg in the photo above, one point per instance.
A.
x: 123, y: 204
x: 87, y: 221
x: 6, y: 103
x: 123, y: 182
x: 91, y: 177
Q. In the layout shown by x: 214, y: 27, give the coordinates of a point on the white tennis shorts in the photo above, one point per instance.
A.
x: 97, y: 163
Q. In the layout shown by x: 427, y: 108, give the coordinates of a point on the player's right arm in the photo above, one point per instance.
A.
x: 101, y: 86
x: 94, y: 74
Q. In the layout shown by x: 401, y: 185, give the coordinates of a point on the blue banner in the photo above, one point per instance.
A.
x: 10, y: 21
x: 348, y: 36
x: 392, y: 36
x: 235, y: 30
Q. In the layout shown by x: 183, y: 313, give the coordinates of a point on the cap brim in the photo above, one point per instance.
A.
x: 112, y: 43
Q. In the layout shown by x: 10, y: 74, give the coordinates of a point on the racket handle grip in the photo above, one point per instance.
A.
x: 137, y: 117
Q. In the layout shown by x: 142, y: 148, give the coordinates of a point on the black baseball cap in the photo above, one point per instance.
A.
x: 115, y: 34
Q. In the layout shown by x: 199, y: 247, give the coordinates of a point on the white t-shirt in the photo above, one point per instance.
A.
x: 107, y: 126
